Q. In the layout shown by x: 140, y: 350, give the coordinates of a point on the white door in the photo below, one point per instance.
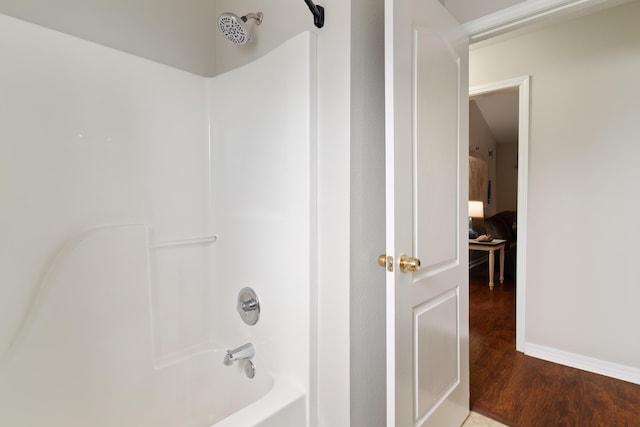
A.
x: 426, y: 71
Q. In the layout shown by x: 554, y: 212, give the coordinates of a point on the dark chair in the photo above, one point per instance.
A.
x: 503, y: 225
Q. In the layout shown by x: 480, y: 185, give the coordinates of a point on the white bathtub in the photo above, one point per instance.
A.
x: 200, y: 392
x: 84, y: 355
x: 283, y: 406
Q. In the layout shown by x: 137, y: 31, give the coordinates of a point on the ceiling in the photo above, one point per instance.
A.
x: 500, y: 112
x: 468, y: 10
x: 179, y: 33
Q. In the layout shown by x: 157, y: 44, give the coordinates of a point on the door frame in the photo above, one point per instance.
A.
x: 523, y: 85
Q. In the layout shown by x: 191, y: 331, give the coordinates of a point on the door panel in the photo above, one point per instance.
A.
x: 435, y: 119
x: 437, y: 339
x: 427, y: 193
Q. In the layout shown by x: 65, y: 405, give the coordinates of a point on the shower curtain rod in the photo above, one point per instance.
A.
x: 318, y: 13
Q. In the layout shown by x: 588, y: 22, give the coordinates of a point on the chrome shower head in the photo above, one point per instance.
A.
x: 233, y: 27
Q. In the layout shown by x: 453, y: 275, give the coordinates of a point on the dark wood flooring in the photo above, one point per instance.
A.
x: 522, y: 391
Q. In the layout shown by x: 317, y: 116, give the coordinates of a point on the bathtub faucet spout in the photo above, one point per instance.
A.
x: 246, y: 351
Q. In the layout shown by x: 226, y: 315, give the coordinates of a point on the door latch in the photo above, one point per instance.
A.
x: 386, y: 262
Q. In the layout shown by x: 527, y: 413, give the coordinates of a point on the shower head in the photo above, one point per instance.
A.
x: 233, y: 27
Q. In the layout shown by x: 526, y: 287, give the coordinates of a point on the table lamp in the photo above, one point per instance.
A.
x: 476, y: 210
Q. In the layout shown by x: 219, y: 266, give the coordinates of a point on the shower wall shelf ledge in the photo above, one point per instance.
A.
x: 207, y: 240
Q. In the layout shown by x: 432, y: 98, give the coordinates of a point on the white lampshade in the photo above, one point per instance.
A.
x: 476, y: 209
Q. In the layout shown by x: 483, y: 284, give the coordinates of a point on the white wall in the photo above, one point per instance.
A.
x: 582, y: 285
x: 368, y: 299
x: 264, y: 193
x: 92, y: 136
x: 506, y: 187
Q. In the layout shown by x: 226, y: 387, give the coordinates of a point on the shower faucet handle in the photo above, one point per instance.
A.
x: 248, y: 306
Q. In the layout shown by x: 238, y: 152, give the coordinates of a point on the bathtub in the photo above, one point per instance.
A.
x: 283, y: 406
x: 85, y: 356
x: 201, y: 392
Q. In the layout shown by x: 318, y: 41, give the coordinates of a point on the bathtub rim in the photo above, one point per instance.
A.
x: 282, y: 395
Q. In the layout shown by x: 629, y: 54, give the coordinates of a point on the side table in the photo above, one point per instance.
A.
x: 491, y: 247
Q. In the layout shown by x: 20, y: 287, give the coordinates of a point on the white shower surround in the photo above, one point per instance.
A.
x: 92, y: 136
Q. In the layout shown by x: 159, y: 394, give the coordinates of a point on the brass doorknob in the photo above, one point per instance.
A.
x: 408, y: 263
x: 382, y: 260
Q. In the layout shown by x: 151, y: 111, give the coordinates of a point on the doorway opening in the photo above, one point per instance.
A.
x: 499, y: 135
x: 521, y: 86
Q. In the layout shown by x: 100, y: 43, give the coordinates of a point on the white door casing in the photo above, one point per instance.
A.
x: 426, y: 87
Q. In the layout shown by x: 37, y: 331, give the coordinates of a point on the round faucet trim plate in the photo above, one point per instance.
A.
x: 248, y: 306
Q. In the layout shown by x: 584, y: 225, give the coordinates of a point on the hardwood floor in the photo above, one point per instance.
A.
x: 522, y: 391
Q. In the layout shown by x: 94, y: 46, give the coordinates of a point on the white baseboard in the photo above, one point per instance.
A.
x: 589, y: 364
